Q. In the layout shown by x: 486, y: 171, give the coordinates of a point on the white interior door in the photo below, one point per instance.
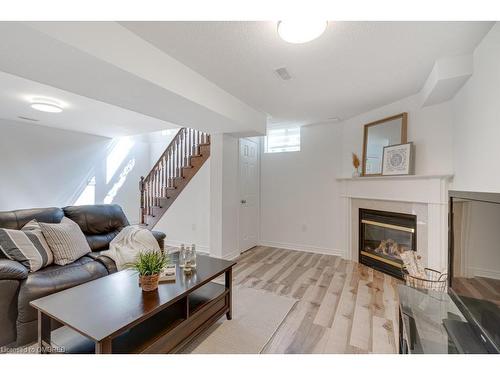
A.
x: 249, y: 194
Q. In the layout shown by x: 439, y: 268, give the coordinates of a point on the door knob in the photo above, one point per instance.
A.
x: 243, y: 201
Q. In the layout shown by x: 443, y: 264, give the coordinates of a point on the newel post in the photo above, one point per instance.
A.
x: 141, y: 188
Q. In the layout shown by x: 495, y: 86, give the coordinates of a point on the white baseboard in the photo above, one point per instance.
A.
x: 306, y: 248
x: 231, y: 256
x: 199, y: 248
x: 483, y: 272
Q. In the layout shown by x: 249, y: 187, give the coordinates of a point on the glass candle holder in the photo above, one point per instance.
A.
x: 182, y: 256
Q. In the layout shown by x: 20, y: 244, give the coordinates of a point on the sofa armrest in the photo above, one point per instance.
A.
x: 160, y: 237
x: 104, y: 260
x: 108, y: 263
x: 12, y: 270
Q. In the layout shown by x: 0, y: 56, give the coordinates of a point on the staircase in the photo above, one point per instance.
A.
x: 183, y: 157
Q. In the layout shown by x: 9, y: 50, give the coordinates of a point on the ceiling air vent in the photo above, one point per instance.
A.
x: 283, y: 74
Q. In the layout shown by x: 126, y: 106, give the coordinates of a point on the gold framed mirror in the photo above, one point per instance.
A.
x: 379, y: 134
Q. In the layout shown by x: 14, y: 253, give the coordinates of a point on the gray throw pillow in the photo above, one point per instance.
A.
x: 26, y: 246
x: 66, y: 240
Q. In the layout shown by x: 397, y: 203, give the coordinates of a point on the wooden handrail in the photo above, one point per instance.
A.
x: 169, y: 166
x: 164, y: 153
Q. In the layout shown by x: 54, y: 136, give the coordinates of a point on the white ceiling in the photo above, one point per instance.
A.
x: 80, y: 113
x: 108, y: 63
x: 352, y: 68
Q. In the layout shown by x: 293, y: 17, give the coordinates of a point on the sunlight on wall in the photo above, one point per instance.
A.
x: 88, y: 194
x: 117, y: 155
x: 119, y: 183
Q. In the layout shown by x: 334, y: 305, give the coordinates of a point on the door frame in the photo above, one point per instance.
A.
x: 258, y: 143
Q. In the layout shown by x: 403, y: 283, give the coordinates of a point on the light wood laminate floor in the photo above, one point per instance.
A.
x: 343, y: 306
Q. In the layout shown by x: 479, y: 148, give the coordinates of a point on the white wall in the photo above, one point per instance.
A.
x: 224, y: 196
x: 476, y: 234
x: 429, y: 128
x: 476, y: 131
x: 300, y: 200
x: 230, y: 197
x: 300, y: 196
x: 42, y: 167
x: 187, y: 219
x: 158, y: 142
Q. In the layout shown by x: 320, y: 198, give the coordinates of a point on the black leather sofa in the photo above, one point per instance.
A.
x: 99, y: 223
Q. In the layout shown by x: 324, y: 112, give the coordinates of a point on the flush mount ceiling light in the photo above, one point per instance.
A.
x: 46, y: 105
x: 301, y: 31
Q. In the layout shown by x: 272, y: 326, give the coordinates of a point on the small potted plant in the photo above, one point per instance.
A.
x: 149, y: 265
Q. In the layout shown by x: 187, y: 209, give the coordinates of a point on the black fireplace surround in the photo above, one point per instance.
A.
x: 383, y: 236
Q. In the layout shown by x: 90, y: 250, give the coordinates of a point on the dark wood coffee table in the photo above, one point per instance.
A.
x: 113, y: 315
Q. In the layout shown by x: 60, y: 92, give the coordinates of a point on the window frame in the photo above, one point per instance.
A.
x: 288, y: 132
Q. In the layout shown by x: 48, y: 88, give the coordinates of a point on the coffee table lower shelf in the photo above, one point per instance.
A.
x: 168, y: 331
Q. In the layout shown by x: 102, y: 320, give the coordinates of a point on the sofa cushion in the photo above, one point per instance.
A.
x: 8, y: 310
x: 66, y: 240
x: 100, y: 223
x: 19, y: 218
x: 53, y: 279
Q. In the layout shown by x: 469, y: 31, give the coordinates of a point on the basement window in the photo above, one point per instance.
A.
x: 282, y: 140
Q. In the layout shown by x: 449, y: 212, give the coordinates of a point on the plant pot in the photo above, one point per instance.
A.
x: 149, y: 283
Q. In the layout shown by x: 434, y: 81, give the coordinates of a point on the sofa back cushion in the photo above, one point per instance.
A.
x: 19, y: 218
x: 100, y: 223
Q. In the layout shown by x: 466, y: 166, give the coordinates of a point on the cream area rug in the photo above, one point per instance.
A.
x: 256, y: 317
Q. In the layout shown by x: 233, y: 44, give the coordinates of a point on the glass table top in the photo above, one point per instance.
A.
x: 427, y: 318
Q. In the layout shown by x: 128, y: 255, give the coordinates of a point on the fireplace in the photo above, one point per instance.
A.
x: 383, y: 236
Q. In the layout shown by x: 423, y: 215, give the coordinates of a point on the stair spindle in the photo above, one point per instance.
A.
x: 176, y: 158
x: 186, y: 148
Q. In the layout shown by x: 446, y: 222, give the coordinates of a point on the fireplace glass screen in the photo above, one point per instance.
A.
x: 383, y: 237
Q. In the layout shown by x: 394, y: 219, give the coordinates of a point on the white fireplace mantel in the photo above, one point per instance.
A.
x: 425, y: 192
x: 429, y: 189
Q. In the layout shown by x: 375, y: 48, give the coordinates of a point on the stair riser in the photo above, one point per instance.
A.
x: 199, y: 161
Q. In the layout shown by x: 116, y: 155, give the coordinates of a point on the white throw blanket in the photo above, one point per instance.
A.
x: 126, y: 246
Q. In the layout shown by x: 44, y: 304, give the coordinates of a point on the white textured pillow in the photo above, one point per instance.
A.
x: 66, y: 240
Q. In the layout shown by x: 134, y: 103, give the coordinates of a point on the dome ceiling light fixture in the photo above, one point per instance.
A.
x: 298, y: 32
x: 46, y: 105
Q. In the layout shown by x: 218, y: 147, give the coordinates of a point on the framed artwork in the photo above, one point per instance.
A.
x: 398, y: 160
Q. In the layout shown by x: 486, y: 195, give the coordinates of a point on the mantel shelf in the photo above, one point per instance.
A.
x: 405, y: 177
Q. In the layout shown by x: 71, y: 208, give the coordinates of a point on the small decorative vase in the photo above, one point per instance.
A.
x: 150, y: 282
x: 356, y: 173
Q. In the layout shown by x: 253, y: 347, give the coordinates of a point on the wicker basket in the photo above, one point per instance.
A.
x: 434, y: 280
